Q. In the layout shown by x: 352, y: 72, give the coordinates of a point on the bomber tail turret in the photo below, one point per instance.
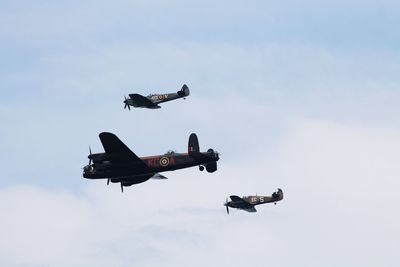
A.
x: 209, y: 158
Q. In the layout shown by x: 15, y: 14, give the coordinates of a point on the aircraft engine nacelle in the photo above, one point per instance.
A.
x: 211, y: 167
x: 89, y: 169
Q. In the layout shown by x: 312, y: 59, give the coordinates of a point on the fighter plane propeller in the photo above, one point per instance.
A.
x: 120, y: 165
x: 226, y: 205
x: 247, y: 203
x: 152, y: 101
x: 126, y: 101
x: 90, y: 153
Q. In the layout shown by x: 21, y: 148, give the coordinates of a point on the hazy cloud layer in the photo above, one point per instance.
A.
x: 298, y: 95
x: 340, y: 186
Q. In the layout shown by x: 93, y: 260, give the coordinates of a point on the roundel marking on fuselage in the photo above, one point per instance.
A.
x: 164, y: 161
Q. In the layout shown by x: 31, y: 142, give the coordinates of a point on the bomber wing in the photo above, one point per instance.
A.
x: 120, y: 152
x: 142, y: 101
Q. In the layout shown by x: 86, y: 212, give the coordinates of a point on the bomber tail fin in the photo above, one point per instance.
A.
x: 193, y: 146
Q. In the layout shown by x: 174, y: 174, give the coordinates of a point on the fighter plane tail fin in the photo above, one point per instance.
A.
x: 193, y: 146
x: 278, y: 195
x: 184, y: 91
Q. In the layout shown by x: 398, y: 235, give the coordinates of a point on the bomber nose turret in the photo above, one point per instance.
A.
x: 88, y: 169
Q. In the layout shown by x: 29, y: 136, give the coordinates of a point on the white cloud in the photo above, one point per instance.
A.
x: 340, y: 201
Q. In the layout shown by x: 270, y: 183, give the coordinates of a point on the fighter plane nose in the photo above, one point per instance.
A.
x: 126, y: 102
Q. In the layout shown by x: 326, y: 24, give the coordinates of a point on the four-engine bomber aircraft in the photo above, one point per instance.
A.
x: 152, y: 101
x: 248, y: 203
x: 120, y: 165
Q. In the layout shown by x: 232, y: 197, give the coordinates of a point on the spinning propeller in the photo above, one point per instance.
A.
x: 90, y: 155
x: 89, y: 167
x: 226, y: 205
x: 126, y: 104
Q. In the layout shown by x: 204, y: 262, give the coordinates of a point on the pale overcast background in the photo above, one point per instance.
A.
x: 301, y: 95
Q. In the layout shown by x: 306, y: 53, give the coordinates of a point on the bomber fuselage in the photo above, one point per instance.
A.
x: 103, y: 168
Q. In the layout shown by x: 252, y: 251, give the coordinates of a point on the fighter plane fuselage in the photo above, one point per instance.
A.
x: 254, y: 200
x: 152, y: 101
x: 248, y: 203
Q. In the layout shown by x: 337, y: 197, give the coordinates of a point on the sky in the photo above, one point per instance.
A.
x: 298, y: 95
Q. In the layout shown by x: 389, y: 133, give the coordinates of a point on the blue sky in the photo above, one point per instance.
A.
x: 298, y: 95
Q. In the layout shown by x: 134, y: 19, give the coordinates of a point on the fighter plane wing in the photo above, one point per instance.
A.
x: 252, y: 209
x: 121, y: 153
x: 241, y: 203
x: 142, y: 101
x: 238, y: 199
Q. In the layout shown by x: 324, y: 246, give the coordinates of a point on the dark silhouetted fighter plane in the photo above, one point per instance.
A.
x: 152, y: 101
x: 120, y: 165
x: 247, y: 203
